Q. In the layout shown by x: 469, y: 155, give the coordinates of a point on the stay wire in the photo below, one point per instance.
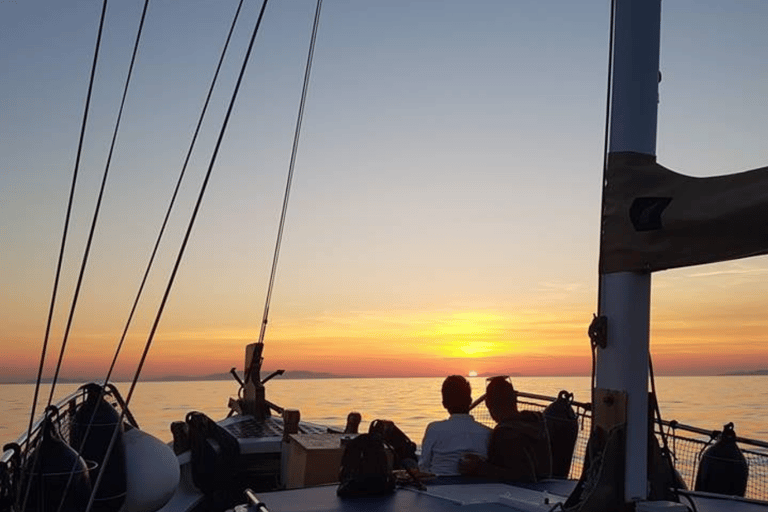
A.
x: 182, y: 249
x: 63, y: 244
x: 667, y: 452
x: 606, y: 131
x: 175, y: 192
x: 67, y: 218
x: 155, y: 249
x: 606, y: 141
x: 294, y: 151
x: 97, y: 209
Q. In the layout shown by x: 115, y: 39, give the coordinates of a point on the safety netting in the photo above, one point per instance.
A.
x: 686, y: 445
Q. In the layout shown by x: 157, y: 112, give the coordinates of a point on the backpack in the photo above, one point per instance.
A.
x: 401, y: 444
x: 366, y: 467
x: 563, y: 428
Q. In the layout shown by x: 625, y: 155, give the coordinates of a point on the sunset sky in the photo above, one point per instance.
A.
x: 445, y: 205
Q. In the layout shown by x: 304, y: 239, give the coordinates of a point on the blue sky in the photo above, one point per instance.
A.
x: 449, y: 165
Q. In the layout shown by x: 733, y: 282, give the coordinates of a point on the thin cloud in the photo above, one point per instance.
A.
x: 735, y: 271
x: 560, y: 286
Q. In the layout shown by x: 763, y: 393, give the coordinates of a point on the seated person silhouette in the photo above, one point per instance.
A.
x: 519, y: 447
x: 445, y: 441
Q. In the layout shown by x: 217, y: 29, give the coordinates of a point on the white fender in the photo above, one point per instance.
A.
x: 151, y: 470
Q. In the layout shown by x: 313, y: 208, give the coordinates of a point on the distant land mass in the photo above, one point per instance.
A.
x: 748, y: 372
x: 289, y: 374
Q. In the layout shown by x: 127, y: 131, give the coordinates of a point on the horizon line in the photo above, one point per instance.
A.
x: 308, y: 375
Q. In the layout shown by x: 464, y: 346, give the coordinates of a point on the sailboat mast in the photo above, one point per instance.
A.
x: 625, y: 296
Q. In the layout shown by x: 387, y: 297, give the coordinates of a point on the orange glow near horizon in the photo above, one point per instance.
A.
x: 415, y: 343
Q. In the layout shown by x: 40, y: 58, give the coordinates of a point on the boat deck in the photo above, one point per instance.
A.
x: 457, y: 494
x: 468, y: 497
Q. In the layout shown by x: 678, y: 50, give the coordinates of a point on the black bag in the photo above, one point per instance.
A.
x: 215, y: 453
x: 401, y: 444
x: 365, y: 467
x: 563, y: 428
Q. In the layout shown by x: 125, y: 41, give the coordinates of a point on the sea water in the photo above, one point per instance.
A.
x: 705, y: 402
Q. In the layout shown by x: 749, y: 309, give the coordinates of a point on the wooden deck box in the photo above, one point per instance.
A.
x: 312, y: 459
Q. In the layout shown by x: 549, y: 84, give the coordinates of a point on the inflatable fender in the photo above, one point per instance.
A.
x: 723, y: 468
x: 47, y: 472
x: 99, y: 420
x: 151, y: 470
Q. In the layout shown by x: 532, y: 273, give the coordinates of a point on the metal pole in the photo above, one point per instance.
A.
x: 625, y: 296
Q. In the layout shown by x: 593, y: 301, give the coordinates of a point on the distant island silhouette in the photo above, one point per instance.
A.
x: 289, y: 374
x: 748, y: 372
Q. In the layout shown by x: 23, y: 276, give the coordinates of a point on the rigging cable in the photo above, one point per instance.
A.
x: 64, y: 237
x: 158, y: 240
x: 294, y: 150
x: 184, y: 242
x: 175, y: 193
x: 97, y: 209
x: 67, y: 217
x: 607, y: 130
x: 667, y: 454
x: 94, y: 221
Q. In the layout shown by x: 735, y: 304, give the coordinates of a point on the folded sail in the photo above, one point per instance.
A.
x: 656, y: 219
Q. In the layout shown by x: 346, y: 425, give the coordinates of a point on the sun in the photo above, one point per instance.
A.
x: 473, y: 373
